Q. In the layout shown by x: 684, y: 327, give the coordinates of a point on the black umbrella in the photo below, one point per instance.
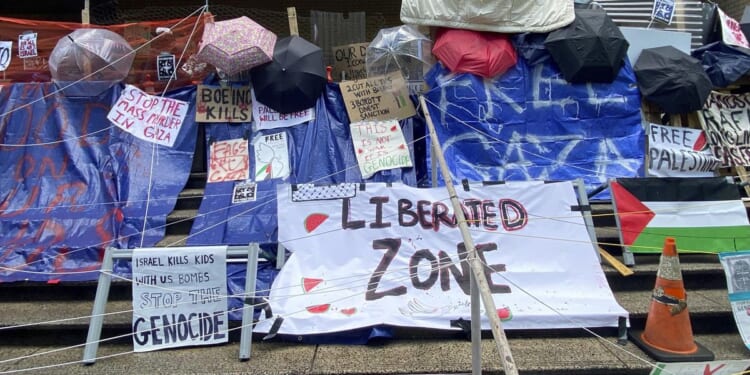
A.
x: 672, y: 79
x: 294, y: 79
x: 591, y: 49
x: 723, y: 63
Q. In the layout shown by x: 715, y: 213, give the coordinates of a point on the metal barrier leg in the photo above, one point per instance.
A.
x: 97, y: 314
x: 246, y: 336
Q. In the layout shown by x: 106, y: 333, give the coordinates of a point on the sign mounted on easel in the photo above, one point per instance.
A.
x: 179, y: 297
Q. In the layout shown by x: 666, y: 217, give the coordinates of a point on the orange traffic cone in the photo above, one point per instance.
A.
x: 668, y: 336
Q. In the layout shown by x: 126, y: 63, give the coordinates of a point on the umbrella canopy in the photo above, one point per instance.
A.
x: 235, y: 45
x: 591, y: 49
x: 399, y: 48
x: 482, y: 53
x: 723, y: 63
x: 672, y: 79
x: 91, y: 55
x: 295, y: 77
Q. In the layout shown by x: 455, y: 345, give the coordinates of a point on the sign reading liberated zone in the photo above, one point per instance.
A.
x: 727, y: 127
x: 679, y: 152
x: 393, y: 254
x: 179, y: 297
x: 379, y: 146
x: 151, y: 118
x: 223, y: 104
x: 378, y: 98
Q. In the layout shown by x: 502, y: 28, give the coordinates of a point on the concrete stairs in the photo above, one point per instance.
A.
x: 37, y: 317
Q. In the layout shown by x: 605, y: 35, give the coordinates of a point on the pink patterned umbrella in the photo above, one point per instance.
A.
x: 235, y: 45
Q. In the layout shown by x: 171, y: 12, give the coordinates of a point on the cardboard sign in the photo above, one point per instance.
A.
x: 244, y: 192
x: 379, y: 146
x: 5, y: 55
x: 151, y: 118
x: 179, y: 297
x: 165, y: 66
x: 679, y: 152
x: 266, y: 117
x: 349, y: 60
x: 27, y: 45
x: 223, y: 104
x: 393, y: 255
x: 731, y: 31
x: 727, y: 126
x: 663, y: 11
x: 378, y: 98
x: 228, y: 161
x: 271, y: 156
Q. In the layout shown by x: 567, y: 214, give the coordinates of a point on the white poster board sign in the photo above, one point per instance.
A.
x: 228, y: 160
x: 27, y: 45
x: 731, y: 30
x: 266, y: 117
x: 5, y: 54
x: 271, y: 156
x: 663, y: 11
x: 244, y: 191
x: 393, y: 254
x: 179, y: 297
x: 726, y: 121
x: 679, y: 152
x: 151, y: 118
x: 737, y: 270
x: 379, y: 145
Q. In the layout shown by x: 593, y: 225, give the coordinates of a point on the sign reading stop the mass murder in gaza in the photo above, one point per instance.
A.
x: 727, y: 126
x: 156, y: 119
x: 378, y: 98
x: 179, y: 297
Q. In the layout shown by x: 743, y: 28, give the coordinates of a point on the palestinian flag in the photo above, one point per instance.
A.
x: 702, y: 214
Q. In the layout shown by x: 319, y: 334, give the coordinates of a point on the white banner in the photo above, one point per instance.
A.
x: 679, y: 152
x: 266, y: 117
x: 394, y: 255
x: 737, y: 270
x: 179, y: 297
x: 151, y: 118
x: 727, y: 126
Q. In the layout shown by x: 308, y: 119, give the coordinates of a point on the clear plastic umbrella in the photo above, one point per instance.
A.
x: 401, y: 48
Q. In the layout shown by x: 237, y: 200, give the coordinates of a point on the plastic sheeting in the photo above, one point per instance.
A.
x: 723, y: 63
x: 73, y: 184
x: 502, y: 16
x: 531, y: 124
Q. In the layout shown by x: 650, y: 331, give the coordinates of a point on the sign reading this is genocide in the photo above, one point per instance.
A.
x: 350, y: 60
x: 679, y: 152
x: 378, y: 98
x: 223, y: 104
x: 727, y: 126
x: 229, y: 161
x: 152, y: 118
x: 179, y: 297
x: 379, y: 145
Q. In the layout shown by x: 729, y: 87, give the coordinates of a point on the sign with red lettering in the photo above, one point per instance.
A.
x: 378, y: 98
x: 726, y: 121
x: 679, y: 152
x: 731, y: 31
x: 267, y: 118
x: 228, y: 161
x: 27, y: 45
x: 271, y: 156
x: 393, y: 254
x: 151, y: 118
x: 179, y: 297
x: 379, y: 145
x: 223, y: 104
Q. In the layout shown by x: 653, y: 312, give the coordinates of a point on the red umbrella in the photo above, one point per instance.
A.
x: 482, y: 53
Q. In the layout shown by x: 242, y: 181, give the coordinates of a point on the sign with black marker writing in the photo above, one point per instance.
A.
x: 727, y: 126
x: 350, y: 60
x: 179, y: 297
x: 378, y: 98
x: 5, y: 54
x: 379, y: 145
x: 223, y: 104
x: 679, y: 152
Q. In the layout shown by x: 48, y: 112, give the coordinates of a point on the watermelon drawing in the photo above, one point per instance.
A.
x: 308, y: 283
x: 313, y: 221
x: 318, y: 309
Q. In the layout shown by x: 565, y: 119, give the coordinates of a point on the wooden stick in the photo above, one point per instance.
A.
x: 477, y: 268
x: 292, y: 13
x: 615, y: 263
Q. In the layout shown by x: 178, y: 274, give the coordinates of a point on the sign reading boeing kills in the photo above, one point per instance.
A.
x: 727, y: 127
x: 379, y: 254
x: 179, y: 297
x: 151, y: 118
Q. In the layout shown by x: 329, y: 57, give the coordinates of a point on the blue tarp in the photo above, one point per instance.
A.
x: 72, y: 184
x: 531, y: 124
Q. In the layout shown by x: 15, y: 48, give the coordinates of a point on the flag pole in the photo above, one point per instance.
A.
x: 477, y: 268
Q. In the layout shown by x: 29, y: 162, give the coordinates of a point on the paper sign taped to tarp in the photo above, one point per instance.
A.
x: 379, y: 145
x: 27, y: 45
x: 151, y: 118
x: 266, y: 117
x: 679, y: 152
x: 5, y: 54
x: 229, y: 161
x: 378, y: 98
x: 393, y: 254
x: 737, y: 270
x: 271, y: 156
x: 350, y: 60
x: 731, y: 30
x: 179, y: 297
x: 223, y: 104
x: 726, y: 121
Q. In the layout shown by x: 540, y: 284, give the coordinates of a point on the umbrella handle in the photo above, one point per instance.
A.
x: 329, y: 69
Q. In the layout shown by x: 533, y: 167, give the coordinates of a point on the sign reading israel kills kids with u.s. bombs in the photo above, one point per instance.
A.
x: 179, y: 297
